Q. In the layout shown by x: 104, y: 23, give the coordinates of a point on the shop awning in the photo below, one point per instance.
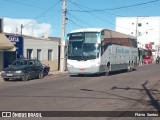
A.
x: 5, y: 44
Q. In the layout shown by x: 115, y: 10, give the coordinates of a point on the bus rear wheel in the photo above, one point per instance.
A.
x: 129, y: 69
x: 107, y: 71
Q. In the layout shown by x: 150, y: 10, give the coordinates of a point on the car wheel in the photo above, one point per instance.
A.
x: 25, y: 77
x: 41, y: 75
x: 6, y: 79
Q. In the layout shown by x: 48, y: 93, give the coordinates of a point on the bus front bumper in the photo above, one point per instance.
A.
x: 89, y: 70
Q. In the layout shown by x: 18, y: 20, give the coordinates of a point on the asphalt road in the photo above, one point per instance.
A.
x: 121, y: 91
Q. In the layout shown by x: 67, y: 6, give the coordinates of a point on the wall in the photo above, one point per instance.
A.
x: 44, y: 45
x: 1, y: 60
x: 53, y: 64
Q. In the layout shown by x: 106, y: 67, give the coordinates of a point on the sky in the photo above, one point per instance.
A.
x: 44, y: 17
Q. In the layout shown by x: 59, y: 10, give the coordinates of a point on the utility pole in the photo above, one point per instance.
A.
x: 62, y: 50
x: 136, y: 28
x: 21, y: 28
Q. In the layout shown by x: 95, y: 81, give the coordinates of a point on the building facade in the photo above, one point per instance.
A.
x: 146, y: 29
x: 43, y: 49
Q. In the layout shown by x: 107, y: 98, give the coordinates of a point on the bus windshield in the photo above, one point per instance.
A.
x: 83, y: 46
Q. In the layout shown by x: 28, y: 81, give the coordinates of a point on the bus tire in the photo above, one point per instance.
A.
x: 107, y: 73
x: 133, y: 67
x: 129, y: 69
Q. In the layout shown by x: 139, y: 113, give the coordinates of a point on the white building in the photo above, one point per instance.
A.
x: 147, y: 30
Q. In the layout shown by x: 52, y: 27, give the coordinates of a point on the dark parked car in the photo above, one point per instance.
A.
x: 23, y: 69
x: 46, y: 69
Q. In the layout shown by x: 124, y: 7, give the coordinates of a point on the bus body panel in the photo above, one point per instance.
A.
x: 119, y: 57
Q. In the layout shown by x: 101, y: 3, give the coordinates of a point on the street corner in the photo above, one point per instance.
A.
x: 1, y: 81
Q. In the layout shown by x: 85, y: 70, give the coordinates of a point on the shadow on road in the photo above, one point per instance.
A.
x: 120, y: 97
x: 153, y: 101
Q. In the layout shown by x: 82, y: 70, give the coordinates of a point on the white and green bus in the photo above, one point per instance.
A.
x: 96, y: 50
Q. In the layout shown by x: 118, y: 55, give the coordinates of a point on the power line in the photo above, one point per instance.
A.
x: 78, y: 19
x: 88, y: 11
x: 75, y: 23
x: 44, y: 12
x: 104, y: 20
x: 24, y: 4
x: 134, y: 5
x: 117, y: 8
x: 70, y: 4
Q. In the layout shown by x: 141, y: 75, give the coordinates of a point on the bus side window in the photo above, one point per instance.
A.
x: 105, y: 46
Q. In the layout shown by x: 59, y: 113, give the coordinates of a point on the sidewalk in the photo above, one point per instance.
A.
x: 1, y: 79
x: 57, y: 72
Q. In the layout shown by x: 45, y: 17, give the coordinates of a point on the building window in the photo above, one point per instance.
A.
x: 50, y: 52
x: 29, y: 53
x: 39, y: 54
x: 139, y: 24
x: 152, y: 43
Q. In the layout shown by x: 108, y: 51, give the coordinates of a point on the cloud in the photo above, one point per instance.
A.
x: 31, y: 27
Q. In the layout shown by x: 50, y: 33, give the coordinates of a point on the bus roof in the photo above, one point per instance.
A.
x: 88, y: 30
x: 115, y: 34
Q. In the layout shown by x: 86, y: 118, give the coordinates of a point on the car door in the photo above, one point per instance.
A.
x: 32, y: 70
x: 38, y: 67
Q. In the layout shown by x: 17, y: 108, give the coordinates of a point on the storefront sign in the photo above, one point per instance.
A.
x: 13, y: 39
x: 18, y: 42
